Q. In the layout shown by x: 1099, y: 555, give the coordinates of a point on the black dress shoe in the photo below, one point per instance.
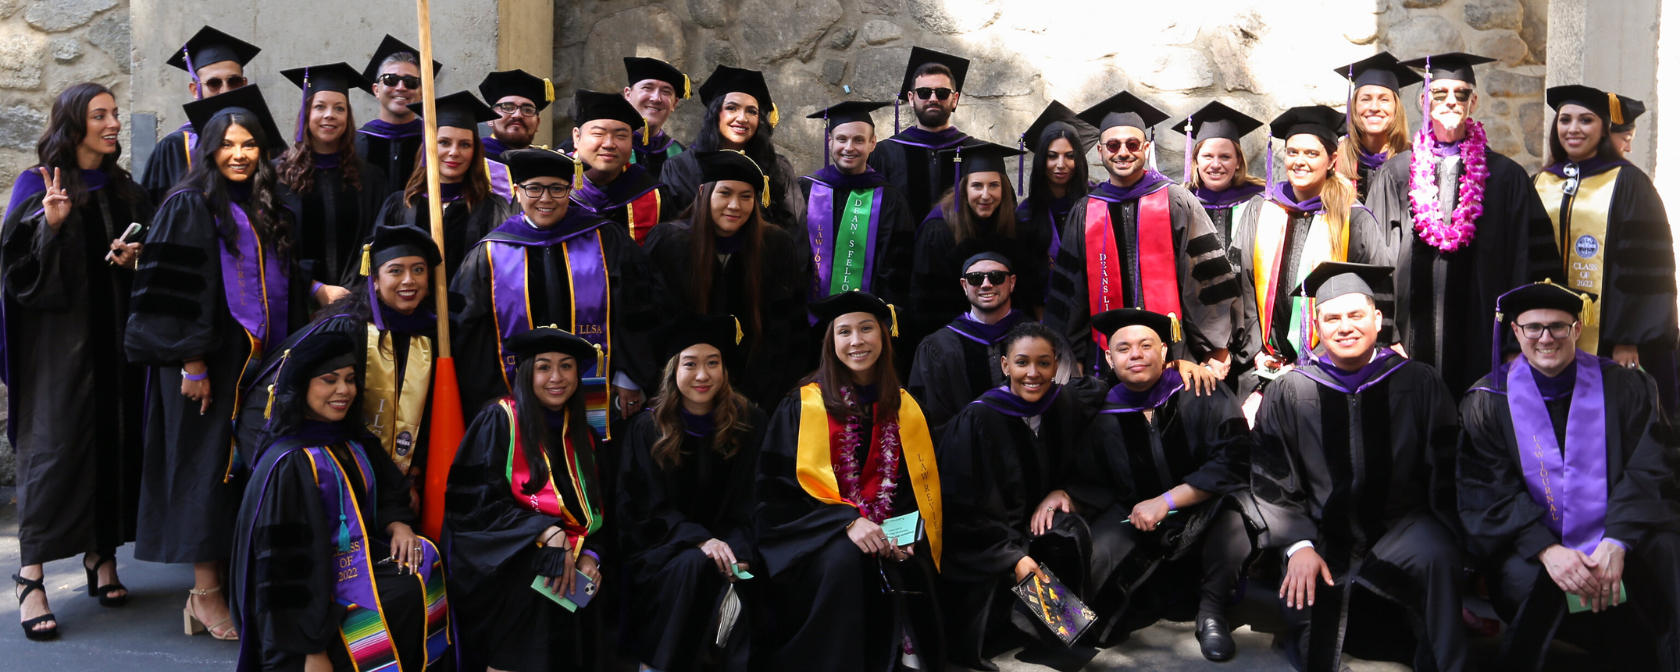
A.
x: 1215, y: 637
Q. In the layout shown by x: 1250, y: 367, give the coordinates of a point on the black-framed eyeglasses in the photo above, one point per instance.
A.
x: 886, y: 583
x: 232, y: 82
x: 392, y: 79
x: 510, y: 109
x: 1558, y: 330
x: 534, y: 191
x: 925, y: 93
x: 1440, y: 95
x: 1132, y: 145
x: 978, y: 277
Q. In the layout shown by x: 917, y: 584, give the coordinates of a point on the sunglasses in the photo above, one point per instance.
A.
x: 925, y: 93
x: 1440, y: 95
x: 393, y: 79
x: 510, y: 109
x: 1132, y: 145
x: 996, y: 277
x: 233, y: 82
x: 534, y: 191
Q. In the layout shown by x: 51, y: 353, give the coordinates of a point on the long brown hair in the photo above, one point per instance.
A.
x: 961, y: 219
x: 1240, y: 176
x: 1396, y: 140
x: 832, y: 374
x: 730, y: 414
x: 702, y: 250
x: 474, y: 189
x: 297, y: 167
x: 66, y: 129
x: 1555, y: 153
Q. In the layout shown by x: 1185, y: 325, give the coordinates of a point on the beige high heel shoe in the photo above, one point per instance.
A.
x: 192, y: 624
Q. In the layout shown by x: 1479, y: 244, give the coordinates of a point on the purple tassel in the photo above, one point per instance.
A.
x: 373, y: 297
x: 1306, y: 355
x: 956, y: 185
x: 303, y: 108
x: 1429, y: 98
x: 1021, y: 168
x: 896, y: 101
x: 1351, y: 136
x: 828, y: 138
x: 186, y: 55
x: 1189, y: 145
x: 1269, y: 160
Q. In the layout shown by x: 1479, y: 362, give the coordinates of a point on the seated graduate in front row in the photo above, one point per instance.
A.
x: 328, y: 572
x: 1582, y: 504
x: 686, y: 502
x: 1353, y: 475
x: 525, y: 505
x: 849, y: 452
x: 1155, y: 433
x: 954, y: 365
x: 1001, y: 460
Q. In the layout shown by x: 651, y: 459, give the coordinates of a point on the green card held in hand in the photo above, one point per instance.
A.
x: 1578, y: 604
x: 740, y: 573
x: 903, y: 530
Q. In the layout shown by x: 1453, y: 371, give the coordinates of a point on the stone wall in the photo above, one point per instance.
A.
x: 1259, y: 56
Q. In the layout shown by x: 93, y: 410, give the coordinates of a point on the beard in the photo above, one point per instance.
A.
x: 515, y: 137
x: 932, y: 116
x: 1450, y: 120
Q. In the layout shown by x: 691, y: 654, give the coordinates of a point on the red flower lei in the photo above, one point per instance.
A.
x: 849, y: 470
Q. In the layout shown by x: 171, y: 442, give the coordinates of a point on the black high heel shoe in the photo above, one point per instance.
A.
x: 29, y: 586
x: 103, y: 592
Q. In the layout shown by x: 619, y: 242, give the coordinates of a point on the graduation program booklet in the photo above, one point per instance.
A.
x: 1055, y: 605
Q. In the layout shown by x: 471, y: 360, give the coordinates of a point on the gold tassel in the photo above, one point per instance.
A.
x: 645, y: 133
x: 1588, y: 316
x: 1177, y: 331
x: 775, y: 115
x: 764, y: 196
x: 577, y: 172
x: 894, y: 311
x: 1615, y: 109
x: 738, y: 334
x: 268, y: 408
x: 687, y: 86
x: 367, y: 259
x: 548, y: 90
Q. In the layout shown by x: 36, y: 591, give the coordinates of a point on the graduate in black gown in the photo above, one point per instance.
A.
x: 1156, y: 447
x: 739, y: 116
x: 839, y: 459
x: 911, y: 159
x: 472, y: 206
x: 1060, y: 179
x: 216, y: 61
x: 1584, y: 507
x: 526, y: 506
x: 1217, y: 173
x: 215, y: 290
x: 74, y: 399
x: 654, y: 88
x: 1612, y: 231
x: 393, y: 140
x: 613, y: 186
x: 685, y: 505
x: 855, y: 226
x: 1353, y: 475
x: 578, y: 271
x: 1000, y: 461
x: 1165, y: 256
x: 739, y: 264
x: 389, y: 314
x: 958, y: 362
x: 1450, y: 266
x: 334, y: 191
x: 327, y: 568
x: 519, y: 98
x: 1376, y: 121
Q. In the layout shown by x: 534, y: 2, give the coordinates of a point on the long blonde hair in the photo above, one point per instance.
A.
x: 1240, y: 176
x: 1397, y: 140
x: 1338, y: 196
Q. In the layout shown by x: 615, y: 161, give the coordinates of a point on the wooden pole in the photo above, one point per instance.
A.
x: 434, y: 206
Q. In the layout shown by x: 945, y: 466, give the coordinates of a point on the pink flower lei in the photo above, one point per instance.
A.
x: 1425, y: 193
x: 850, y: 469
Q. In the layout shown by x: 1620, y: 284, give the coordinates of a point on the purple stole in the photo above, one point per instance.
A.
x: 1579, y: 475
x: 501, y: 181
x: 255, y: 285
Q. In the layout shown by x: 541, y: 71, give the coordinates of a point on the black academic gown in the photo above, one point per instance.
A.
x: 1505, y: 527
x: 75, y: 400
x: 894, y: 245
x: 334, y: 220
x: 776, y: 351
x: 682, y: 174
x: 614, y: 201
x: 1048, y: 226
x: 831, y: 612
x: 491, y: 546
x: 952, y: 367
x: 285, y: 561
x: 1445, y: 300
x: 168, y: 163
x: 1207, y: 284
x: 666, y: 514
x: 395, y: 157
x: 1124, y: 458
x: 190, y: 487
x: 1367, y: 477
x: 994, y: 470
x: 463, y: 225
x: 936, y: 294
x: 922, y: 174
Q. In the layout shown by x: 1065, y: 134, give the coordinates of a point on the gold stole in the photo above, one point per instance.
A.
x: 815, y: 461
x: 1580, y: 236
x: 1269, y: 233
x: 394, y: 415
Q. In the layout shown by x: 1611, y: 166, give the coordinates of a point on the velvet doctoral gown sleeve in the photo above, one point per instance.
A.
x: 791, y: 523
x: 178, y: 286
x: 1207, y: 284
x: 1287, y: 438
x: 984, y: 496
x: 1639, y: 292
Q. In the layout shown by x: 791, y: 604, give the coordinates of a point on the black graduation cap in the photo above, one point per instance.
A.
x: 1319, y: 121
x: 592, y: 105
x: 461, y: 109
x: 388, y: 46
x: 551, y: 338
x: 689, y: 329
x: 1057, y: 117
x: 1542, y: 295
x: 534, y: 162
x: 336, y: 77
x: 1382, y: 70
x: 498, y: 85
x: 726, y: 80
x: 987, y: 256
x: 1332, y: 279
x: 1218, y: 120
x: 979, y: 156
x: 318, y: 354
x: 638, y: 69
x: 396, y: 242
x: 920, y: 57
x: 1454, y: 65
x: 848, y: 112
x: 1631, y: 109
x: 729, y: 164
x: 243, y: 100
x: 1613, y: 109
x: 208, y: 46
x: 1110, y: 321
x: 1122, y: 109
x: 854, y: 301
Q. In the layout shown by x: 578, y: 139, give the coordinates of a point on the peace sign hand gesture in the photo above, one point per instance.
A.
x: 57, y: 202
